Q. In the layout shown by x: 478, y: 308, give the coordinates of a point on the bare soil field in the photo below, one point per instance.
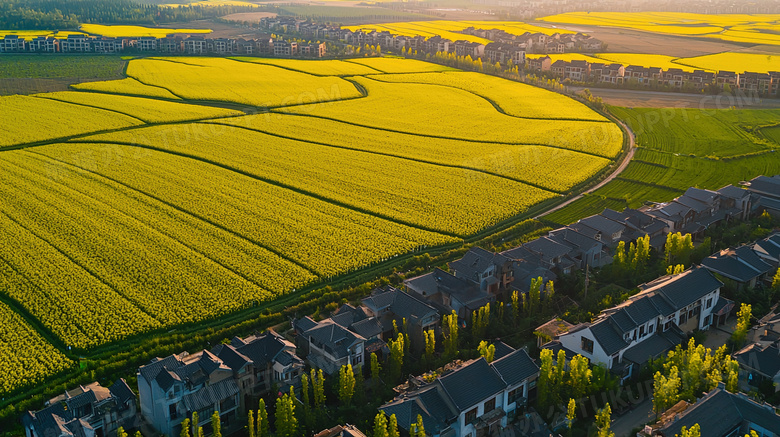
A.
x: 251, y: 17
x: 632, y: 41
x: 655, y: 99
x: 26, y: 86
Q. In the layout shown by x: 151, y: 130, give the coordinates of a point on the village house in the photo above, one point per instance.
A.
x: 43, y: 44
x: 86, y: 411
x: 624, y: 338
x: 348, y: 337
x: 447, y: 293
x: 539, y: 64
x: 467, y: 399
x: 229, y: 379
x: 341, y: 431
x: 719, y: 414
x: 741, y: 265
x: 11, y: 44
x: 492, y: 272
x: 76, y: 43
x: 389, y: 304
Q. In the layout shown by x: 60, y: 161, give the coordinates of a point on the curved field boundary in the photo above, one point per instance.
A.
x: 392, y: 155
x: 486, y: 98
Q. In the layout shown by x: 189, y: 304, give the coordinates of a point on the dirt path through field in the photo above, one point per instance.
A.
x: 629, y: 156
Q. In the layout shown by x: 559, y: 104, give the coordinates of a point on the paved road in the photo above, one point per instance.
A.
x: 618, y: 170
x: 640, y: 415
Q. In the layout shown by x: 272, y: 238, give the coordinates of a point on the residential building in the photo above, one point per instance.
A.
x: 12, y: 43
x: 718, y: 414
x: 195, y: 45
x: 472, y: 398
x: 229, y: 379
x: 741, y: 265
x: 108, y: 45
x: 389, y: 304
x: 285, y: 48
x: 146, y: 44
x: 76, y: 43
x: 43, y: 44
x: 760, y: 83
x: 341, y: 431
x: 768, y: 249
x: 492, y: 272
x: 446, y: 292
x: 86, y: 411
x: 759, y: 364
x: 648, y: 324
x: 346, y: 338
x: 539, y: 64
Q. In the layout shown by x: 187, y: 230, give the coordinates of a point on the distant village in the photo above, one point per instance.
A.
x: 479, y: 396
x: 506, y: 49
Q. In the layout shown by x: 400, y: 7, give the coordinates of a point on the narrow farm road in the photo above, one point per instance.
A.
x: 629, y: 156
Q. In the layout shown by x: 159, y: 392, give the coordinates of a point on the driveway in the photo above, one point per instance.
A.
x: 641, y: 414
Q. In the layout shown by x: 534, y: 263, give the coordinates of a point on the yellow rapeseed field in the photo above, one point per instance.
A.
x: 136, y: 31
x: 197, y: 187
x: 240, y: 82
x: 128, y: 86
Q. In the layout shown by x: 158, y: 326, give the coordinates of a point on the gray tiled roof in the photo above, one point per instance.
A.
x: 733, y: 192
x: 547, y: 248
x: 741, y: 264
x: 515, y: 367
x: 652, y: 347
x: 765, y: 185
x: 719, y: 413
x: 769, y: 246
x: 428, y: 403
x: 122, y: 391
x: 476, y: 261
x: 460, y: 386
x: 334, y: 338
x: 685, y: 288
x: 608, y: 227
x: 764, y: 359
x: 607, y: 336
x: 210, y: 395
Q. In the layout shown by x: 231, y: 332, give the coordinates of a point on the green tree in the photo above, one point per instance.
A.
x: 120, y: 432
x: 743, y: 324
x: 619, y: 259
x: 666, y: 391
x: 604, y: 422
x: 360, y: 386
x: 450, y: 334
x: 694, y: 431
x: 732, y: 375
x: 571, y: 413
x: 560, y: 367
x: 138, y: 433
x: 380, y: 425
x: 546, y: 382
x: 195, y: 420
x: 304, y: 390
x: 534, y: 295
x: 375, y: 368
x: 579, y: 376
x: 396, y: 357
x: 417, y: 429
x: 346, y: 384
x: 318, y: 387
x: 250, y: 424
x: 262, y: 420
x: 285, y: 421
x: 392, y: 426
x: 216, y: 425
x: 185, y: 429
x: 479, y: 321
x: 487, y: 351
x: 430, y: 345
x: 675, y: 270
x: 515, y: 307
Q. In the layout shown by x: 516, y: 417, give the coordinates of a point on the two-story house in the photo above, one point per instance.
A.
x: 87, y: 411
x: 389, y: 304
x: 650, y: 323
x: 492, y: 272
x: 741, y: 265
x: 476, y: 398
x: 346, y: 338
x: 446, y: 292
x: 718, y: 414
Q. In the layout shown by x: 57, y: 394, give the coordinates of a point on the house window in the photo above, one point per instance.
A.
x: 490, y: 405
x: 683, y: 318
x: 650, y: 329
x: 587, y: 345
x: 514, y: 395
x: 357, y: 359
x: 709, y: 303
x: 641, y: 331
x: 471, y: 416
